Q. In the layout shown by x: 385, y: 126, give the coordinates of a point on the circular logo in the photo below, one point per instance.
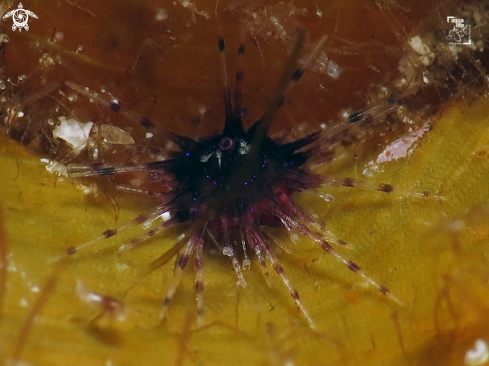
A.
x: 20, y: 17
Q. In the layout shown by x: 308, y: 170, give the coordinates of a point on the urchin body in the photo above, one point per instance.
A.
x: 217, y: 175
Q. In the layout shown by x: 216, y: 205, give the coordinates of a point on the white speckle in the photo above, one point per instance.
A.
x: 478, y: 355
x: 115, y: 135
x: 327, y: 197
x: 188, y: 4
x: 35, y: 288
x: 147, y: 224
x: 165, y: 216
x: 122, y: 267
x: 425, y: 79
x: 149, y: 135
x: 181, y: 236
x: 202, y: 110
x: 345, y: 113
x: 74, y: 132
x: 324, y: 64
x: 161, y: 14
x: 55, y: 167
x: 295, y: 238
x: 397, y: 149
x: 24, y: 303
x: 115, y: 101
x: 422, y: 49
x: 59, y: 36
x: 46, y: 60
x: 90, y: 189
x: 20, y: 114
x: 246, y: 264
x: 84, y: 294
x: 334, y: 70
x: 228, y: 251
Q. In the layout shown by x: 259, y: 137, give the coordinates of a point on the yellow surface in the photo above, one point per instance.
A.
x: 410, y: 244
x: 400, y: 241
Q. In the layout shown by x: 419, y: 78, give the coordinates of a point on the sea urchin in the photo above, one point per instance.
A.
x: 231, y: 186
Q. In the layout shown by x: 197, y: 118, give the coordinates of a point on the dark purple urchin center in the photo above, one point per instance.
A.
x: 234, y: 183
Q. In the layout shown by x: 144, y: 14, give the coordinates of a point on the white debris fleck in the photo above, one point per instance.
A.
x: 46, y: 60
x: 74, y: 132
x: 191, y: 6
x: 334, y: 70
x: 20, y: 114
x: 35, y: 288
x: 89, y: 189
x: 420, y: 47
x: 59, y: 36
x: 24, y: 303
x: 149, y: 135
x: 478, y: 355
x: 324, y: 64
x: 327, y: 197
x: 398, y: 149
x: 202, y: 110
x: 319, y: 13
x: 227, y: 251
x: 55, y: 167
x: 122, y: 267
x: 161, y: 14
x: 295, y: 238
x: 165, y: 216
x: 109, y: 305
x: 116, y: 135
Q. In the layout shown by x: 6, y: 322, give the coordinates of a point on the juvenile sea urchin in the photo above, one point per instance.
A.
x: 233, y: 185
